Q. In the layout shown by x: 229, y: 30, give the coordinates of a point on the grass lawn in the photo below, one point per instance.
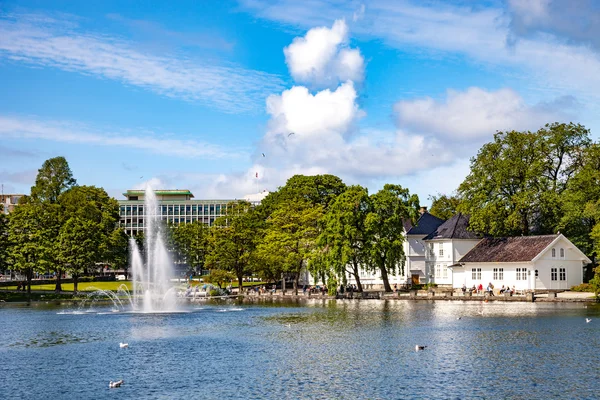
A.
x: 81, y: 287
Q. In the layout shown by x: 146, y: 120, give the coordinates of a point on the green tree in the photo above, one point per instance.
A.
x: 4, y: 243
x: 232, y: 240
x: 117, y: 250
x: 581, y: 204
x: 516, y: 182
x: 291, y: 237
x: 219, y: 277
x: 390, y: 206
x: 32, y: 234
x: 444, y: 206
x: 191, y: 241
x: 54, y: 178
x: 345, y: 238
x: 89, y: 218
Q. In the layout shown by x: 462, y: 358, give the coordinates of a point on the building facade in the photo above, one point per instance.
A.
x: 173, y: 206
x: 9, y: 201
x: 415, y: 248
x: 524, y: 262
x: 446, y: 246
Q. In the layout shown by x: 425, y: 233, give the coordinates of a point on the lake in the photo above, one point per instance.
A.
x: 324, y: 349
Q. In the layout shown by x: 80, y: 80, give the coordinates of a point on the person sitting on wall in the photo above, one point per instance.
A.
x: 490, y: 289
x: 480, y: 288
x: 464, y: 288
x: 474, y: 289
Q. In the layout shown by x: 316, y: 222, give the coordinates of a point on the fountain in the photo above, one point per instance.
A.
x: 151, y: 286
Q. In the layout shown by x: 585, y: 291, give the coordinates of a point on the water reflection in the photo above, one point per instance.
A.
x: 313, y: 349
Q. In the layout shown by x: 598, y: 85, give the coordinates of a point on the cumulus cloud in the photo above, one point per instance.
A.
x: 476, y: 113
x: 322, y: 57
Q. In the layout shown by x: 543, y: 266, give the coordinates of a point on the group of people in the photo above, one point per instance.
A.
x: 489, y: 289
x: 322, y: 289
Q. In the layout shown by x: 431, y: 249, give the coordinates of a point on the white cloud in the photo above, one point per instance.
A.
x: 322, y: 57
x: 557, y: 60
x: 47, y: 43
x: 70, y: 132
x: 475, y: 114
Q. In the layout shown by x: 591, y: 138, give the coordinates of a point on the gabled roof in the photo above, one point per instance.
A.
x: 426, y: 224
x: 508, y: 249
x: 455, y: 228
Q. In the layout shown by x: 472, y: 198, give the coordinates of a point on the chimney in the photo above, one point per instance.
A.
x: 422, y: 210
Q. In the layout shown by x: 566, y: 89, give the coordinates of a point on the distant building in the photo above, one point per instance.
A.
x: 415, y: 248
x: 174, y: 206
x: 9, y: 201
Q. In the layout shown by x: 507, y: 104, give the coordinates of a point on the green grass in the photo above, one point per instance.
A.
x: 81, y: 287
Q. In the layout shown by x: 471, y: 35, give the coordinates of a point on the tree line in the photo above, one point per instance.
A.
x: 520, y: 183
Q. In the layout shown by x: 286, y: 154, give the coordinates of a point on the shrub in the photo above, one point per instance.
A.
x: 584, y: 287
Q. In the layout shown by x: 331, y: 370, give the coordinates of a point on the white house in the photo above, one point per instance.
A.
x: 447, y: 244
x: 415, y: 248
x: 525, y: 262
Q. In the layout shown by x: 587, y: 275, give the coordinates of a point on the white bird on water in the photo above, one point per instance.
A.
x: 123, y: 345
x: 588, y: 320
x: 116, y: 384
x: 417, y: 347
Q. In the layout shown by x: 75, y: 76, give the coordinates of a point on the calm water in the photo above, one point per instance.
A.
x: 324, y: 350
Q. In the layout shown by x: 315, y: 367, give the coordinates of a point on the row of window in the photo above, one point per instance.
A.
x: 560, y: 273
x: 441, y: 271
x: 191, y: 209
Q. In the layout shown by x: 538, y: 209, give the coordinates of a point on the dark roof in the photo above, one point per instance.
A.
x: 509, y: 249
x: 426, y: 224
x: 407, y: 224
x: 455, y: 228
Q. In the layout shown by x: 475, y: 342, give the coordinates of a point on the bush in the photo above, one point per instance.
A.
x: 214, y: 292
x: 584, y: 287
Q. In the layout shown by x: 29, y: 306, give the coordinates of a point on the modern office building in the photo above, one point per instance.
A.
x: 174, y: 206
x: 9, y: 201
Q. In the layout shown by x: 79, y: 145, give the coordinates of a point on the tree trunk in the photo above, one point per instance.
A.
x: 58, y: 287
x: 240, y: 284
x: 75, y: 282
x: 384, y: 277
x: 296, y: 279
x: 29, y: 276
x: 356, y: 274
x: 282, y: 284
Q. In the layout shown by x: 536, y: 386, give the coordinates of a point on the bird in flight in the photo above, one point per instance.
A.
x: 290, y: 134
x: 263, y: 154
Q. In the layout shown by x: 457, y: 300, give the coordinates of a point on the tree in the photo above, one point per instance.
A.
x: 4, y: 243
x: 191, y: 241
x: 89, y: 218
x: 581, y: 204
x: 53, y: 179
x: 117, y: 250
x: 291, y: 237
x: 219, y: 277
x: 515, y: 183
x: 345, y: 239
x: 389, y: 207
x: 444, y: 206
x: 32, y: 235
x: 232, y: 240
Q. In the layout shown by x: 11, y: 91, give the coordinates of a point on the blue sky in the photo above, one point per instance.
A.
x: 206, y: 95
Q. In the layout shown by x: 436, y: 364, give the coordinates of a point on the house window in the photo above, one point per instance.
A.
x: 521, y: 274
x: 437, y: 270
x: 501, y: 274
x: 553, y: 275
x: 536, y: 274
x: 445, y: 271
x: 495, y: 274
x: 479, y: 273
x: 474, y: 273
x: 562, y: 253
x: 562, y: 274
x: 441, y: 250
x: 553, y: 253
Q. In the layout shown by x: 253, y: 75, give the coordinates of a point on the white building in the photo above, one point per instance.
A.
x: 415, y: 247
x: 526, y: 262
x: 445, y: 246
